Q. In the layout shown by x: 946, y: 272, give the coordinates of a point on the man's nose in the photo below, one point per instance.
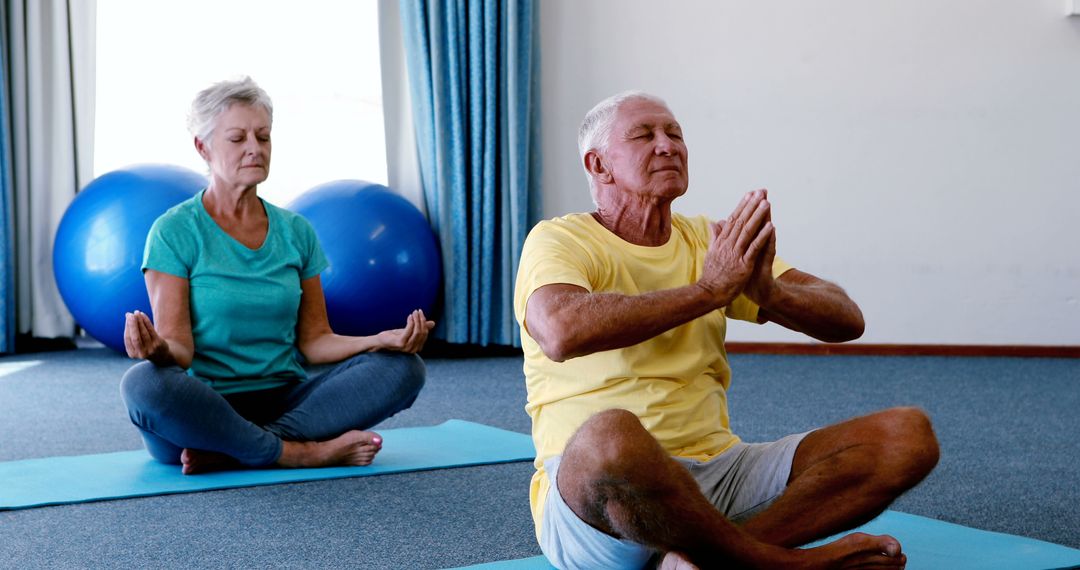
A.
x: 664, y: 144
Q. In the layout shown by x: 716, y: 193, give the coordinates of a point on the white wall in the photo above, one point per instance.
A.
x: 925, y: 155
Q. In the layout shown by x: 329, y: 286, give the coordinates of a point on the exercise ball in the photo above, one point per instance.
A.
x: 384, y: 260
x: 98, y: 251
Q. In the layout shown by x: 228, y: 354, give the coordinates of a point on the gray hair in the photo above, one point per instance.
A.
x: 596, y: 127
x: 217, y: 98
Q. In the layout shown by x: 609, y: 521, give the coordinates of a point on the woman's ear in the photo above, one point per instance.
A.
x: 200, y: 147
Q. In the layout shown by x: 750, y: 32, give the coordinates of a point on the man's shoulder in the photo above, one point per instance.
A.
x: 578, y: 222
x: 693, y: 229
x: 694, y: 223
x: 569, y: 228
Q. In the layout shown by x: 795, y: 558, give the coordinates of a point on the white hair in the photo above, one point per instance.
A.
x: 595, y: 129
x: 216, y: 99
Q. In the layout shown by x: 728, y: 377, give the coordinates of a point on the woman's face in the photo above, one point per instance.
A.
x: 238, y: 152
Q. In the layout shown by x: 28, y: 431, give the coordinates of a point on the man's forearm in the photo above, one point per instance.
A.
x: 579, y: 323
x: 813, y: 307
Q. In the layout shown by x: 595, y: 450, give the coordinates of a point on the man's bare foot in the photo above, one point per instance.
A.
x: 350, y: 448
x: 199, y: 461
x: 856, y: 550
x: 676, y: 561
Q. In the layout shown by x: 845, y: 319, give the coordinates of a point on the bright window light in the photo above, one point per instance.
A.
x: 7, y: 368
x: 319, y: 62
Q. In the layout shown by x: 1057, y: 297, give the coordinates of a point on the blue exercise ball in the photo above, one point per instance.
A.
x: 384, y: 260
x: 98, y: 251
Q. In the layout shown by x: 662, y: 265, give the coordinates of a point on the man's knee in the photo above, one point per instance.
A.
x: 910, y: 448
x: 599, y: 465
x: 612, y: 450
x: 615, y: 476
x: 612, y: 437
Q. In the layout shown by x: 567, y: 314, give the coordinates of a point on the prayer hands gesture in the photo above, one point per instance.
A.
x: 409, y: 339
x: 735, y: 261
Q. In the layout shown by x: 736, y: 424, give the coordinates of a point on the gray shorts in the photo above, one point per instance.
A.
x: 741, y: 482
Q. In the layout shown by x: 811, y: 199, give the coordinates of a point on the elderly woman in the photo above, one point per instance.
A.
x: 234, y: 284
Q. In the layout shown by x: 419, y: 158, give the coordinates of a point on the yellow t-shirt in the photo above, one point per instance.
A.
x: 676, y: 383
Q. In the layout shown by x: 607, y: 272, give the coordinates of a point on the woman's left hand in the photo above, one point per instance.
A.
x: 409, y: 339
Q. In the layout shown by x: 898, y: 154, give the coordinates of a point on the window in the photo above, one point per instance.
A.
x: 319, y: 62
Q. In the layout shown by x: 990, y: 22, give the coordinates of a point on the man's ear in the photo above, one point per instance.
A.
x: 596, y: 168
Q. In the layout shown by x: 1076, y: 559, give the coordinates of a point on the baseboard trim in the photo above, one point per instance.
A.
x: 1033, y: 351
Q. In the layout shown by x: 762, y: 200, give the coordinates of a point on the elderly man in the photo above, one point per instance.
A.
x: 622, y: 313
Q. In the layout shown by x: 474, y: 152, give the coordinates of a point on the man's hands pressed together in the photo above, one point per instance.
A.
x: 736, y: 260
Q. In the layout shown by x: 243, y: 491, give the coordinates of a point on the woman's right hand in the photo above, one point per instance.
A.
x: 409, y: 339
x: 142, y: 340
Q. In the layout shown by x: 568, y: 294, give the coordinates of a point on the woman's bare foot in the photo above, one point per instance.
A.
x: 198, y: 461
x: 350, y: 448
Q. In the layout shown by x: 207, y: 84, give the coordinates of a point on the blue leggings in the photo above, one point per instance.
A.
x: 174, y: 411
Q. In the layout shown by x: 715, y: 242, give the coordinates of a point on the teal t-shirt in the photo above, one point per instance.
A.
x: 244, y: 302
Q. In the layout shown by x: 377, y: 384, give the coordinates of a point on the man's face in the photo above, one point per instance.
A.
x: 645, y: 152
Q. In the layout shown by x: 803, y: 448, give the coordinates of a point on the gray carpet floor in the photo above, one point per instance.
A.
x: 1008, y: 429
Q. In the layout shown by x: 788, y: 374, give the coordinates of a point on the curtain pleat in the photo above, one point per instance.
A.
x: 49, y: 86
x: 7, y: 252
x: 473, y: 78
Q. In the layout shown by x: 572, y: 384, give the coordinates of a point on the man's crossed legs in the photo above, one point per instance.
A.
x: 617, y: 480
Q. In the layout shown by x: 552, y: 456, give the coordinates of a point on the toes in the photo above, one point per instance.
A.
x: 364, y: 457
x: 891, y: 547
x: 370, y: 438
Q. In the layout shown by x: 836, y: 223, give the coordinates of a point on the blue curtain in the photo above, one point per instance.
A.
x: 473, y: 73
x: 7, y: 252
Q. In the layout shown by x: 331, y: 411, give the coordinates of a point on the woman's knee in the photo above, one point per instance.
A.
x: 141, y: 383
x: 416, y: 372
x: 407, y: 371
x: 146, y: 386
x: 399, y: 376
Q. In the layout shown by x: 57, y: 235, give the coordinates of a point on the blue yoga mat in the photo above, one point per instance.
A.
x: 930, y: 545
x: 84, y: 478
